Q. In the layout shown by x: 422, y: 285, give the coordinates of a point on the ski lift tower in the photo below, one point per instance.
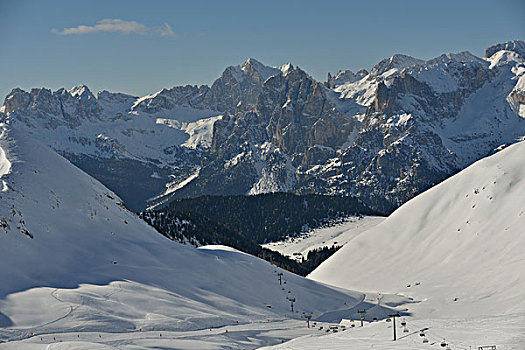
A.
x: 363, y: 312
x: 394, y: 323
x: 308, y: 318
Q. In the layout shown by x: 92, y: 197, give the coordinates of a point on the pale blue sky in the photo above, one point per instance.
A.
x: 140, y: 47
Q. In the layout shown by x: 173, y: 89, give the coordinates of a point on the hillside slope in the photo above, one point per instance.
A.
x: 73, y: 259
x: 458, y: 248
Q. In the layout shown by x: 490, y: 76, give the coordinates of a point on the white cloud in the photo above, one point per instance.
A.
x: 116, y: 25
x: 166, y: 30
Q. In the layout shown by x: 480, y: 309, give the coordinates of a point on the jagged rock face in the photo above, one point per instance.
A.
x: 517, y: 46
x: 345, y: 76
x: 239, y: 86
x: 192, y: 96
x: 60, y: 107
x: 423, y: 122
x: 468, y: 77
x: 293, y: 125
x: 17, y: 99
x: 300, y: 115
x: 518, y: 96
x: 518, y: 93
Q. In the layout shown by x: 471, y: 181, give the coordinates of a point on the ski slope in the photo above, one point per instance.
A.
x: 457, y: 250
x: 336, y: 235
x: 506, y: 333
x: 77, y: 266
x: 462, y: 239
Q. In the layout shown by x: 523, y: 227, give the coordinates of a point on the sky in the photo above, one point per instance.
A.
x: 140, y: 47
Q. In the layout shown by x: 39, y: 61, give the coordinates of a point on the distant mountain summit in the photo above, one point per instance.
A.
x: 384, y: 135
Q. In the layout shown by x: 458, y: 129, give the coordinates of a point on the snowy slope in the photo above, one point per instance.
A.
x: 462, y: 239
x: 506, y: 333
x: 336, y: 235
x: 457, y: 249
x: 74, y: 261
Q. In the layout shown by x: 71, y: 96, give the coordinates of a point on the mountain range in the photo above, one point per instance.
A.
x: 80, y: 271
x: 384, y: 135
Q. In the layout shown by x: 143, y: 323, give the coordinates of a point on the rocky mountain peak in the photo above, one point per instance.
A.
x: 397, y: 61
x: 460, y: 57
x: 251, y: 67
x: 286, y: 68
x: 344, y: 77
x: 108, y: 95
x: 517, y: 46
x: 16, y: 99
x: 81, y: 91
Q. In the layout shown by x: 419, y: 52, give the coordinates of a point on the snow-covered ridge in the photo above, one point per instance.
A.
x: 396, y: 62
x: 71, y: 121
x: 517, y: 46
x: 457, y: 249
x: 265, y: 72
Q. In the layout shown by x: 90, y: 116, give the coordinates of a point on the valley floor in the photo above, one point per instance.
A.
x: 507, y: 333
x: 236, y: 336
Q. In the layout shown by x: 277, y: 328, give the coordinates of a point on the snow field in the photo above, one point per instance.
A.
x: 338, y: 235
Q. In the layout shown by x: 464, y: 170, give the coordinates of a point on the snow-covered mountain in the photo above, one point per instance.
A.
x: 130, y: 143
x: 75, y: 261
x: 140, y: 147
x: 457, y: 250
x: 384, y: 135
x: 458, y: 247
x: 387, y: 136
